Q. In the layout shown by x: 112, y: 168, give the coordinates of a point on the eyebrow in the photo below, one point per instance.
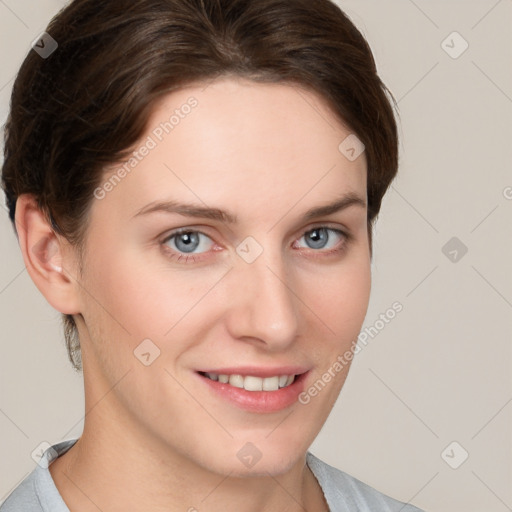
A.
x: 193, y: 210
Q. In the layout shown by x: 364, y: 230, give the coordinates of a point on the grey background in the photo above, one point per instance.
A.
x: 441, y: 370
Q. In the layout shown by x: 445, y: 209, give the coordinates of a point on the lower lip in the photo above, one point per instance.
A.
x: 258, y: 401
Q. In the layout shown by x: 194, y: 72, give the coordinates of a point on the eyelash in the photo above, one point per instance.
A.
x: 172, y: 254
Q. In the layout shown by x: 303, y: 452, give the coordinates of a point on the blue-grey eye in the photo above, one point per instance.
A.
x: 187, y: 241
x: 319, y: 238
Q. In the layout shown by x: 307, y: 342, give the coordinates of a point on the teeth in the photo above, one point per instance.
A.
x: 252, y: 383
x: 237, y: 381
x: 271, y: 384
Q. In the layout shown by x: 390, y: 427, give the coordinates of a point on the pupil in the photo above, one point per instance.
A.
x: 187, y: 242
x: 318, y: 238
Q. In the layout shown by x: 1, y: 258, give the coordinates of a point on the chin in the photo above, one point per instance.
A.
x: 259, y: 459
x: 270, y: 466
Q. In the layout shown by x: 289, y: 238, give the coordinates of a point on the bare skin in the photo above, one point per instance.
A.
x: 156, y: 437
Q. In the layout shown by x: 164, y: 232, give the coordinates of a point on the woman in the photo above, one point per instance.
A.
x: 193, y: 184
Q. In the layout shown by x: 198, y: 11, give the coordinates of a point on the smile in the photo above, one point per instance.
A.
x: 251, y: 382
x: 270, y: 390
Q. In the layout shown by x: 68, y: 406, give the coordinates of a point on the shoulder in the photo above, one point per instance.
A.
x: 24, y: 497
x: 344, y: 493
x: 37, y: 492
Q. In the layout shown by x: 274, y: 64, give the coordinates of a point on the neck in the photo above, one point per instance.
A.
x: 144, y: 474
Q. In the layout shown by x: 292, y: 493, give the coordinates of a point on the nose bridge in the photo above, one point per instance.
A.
x: 264, y: 306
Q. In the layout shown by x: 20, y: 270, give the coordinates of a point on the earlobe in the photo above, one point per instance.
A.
x: 49, y: 266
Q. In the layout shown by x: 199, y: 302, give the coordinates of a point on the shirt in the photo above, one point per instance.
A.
x: 343, y: 493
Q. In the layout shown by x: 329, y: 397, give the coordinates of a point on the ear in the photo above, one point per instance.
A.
x: 49, y: 259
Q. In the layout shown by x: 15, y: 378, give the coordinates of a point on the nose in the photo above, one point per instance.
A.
x: 263, y: 306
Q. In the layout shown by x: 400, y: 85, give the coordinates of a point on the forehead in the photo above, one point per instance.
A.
x: 238, y: 141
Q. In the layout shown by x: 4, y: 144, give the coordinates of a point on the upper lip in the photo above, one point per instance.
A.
x: 258, y: 371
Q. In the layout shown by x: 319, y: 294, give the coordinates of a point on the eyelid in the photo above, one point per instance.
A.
x: 327, y: 225
x: 315, y: 225
x: 187, y: 229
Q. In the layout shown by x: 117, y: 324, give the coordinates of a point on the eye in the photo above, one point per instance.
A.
x: 193, y: 246
x: 187, y: 241
x: 323, y: 238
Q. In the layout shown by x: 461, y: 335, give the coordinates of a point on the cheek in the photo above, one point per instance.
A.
x: 341, y: 299
x: 339, y: 305
x: 122, y: 298
x: 355, y: 294
x: 148, y: 300
x: 137, y: 308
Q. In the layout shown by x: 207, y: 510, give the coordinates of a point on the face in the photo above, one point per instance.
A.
x: 208, y: 260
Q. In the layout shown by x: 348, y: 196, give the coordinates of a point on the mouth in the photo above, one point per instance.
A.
x: 252, y: 382
x: 268, y: 391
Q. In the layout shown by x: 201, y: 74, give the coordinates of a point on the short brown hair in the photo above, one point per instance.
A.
x: 88, y: 103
